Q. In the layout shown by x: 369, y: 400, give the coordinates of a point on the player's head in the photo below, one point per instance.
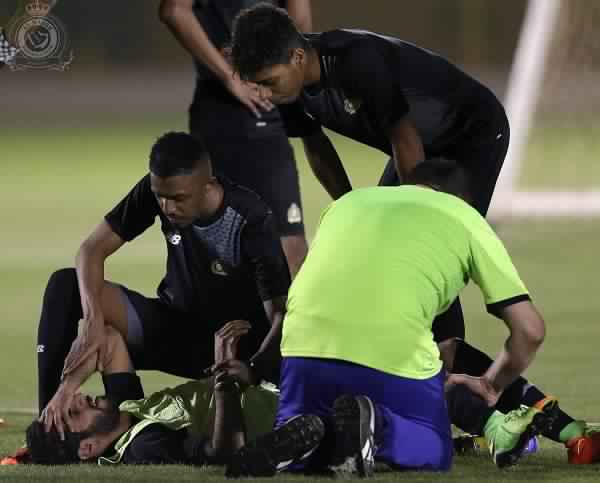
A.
x: 181, y: 177
x: 90, y: 432
x: 268, y: 49
x: 442, y: 175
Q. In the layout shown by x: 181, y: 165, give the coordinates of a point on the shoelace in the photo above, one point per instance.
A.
x: 516, y: 414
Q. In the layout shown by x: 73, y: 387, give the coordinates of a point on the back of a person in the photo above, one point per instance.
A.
x: 384, y: 263
x: 440, y: 96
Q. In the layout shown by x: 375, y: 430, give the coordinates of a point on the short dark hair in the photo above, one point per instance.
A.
x: 441, y: 174
x: 47, y: 448
x: 263, y: 36
x: 176, y: 153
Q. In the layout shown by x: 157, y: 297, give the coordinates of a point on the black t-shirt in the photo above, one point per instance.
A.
x: 216, y: 17
x: 370, y: 81
x: 221, y: 268
x: 157, y: 444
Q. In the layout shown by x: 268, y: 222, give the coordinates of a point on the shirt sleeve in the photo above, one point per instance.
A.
x: 135, y: 213
x: 297, y: 122
x: 157, y: 444
x: 365, y: 75
x: 493, y: 271
x: 262, y: 247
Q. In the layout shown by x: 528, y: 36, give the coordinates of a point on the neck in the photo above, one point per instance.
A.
x: 123, y: 425
x: 313, y: 67
x: 215, y: 199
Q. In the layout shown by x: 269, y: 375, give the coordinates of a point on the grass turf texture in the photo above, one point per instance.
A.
x: 59, y: 180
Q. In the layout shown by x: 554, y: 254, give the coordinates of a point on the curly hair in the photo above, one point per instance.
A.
x: 47, y: 448
x: 263, y: 36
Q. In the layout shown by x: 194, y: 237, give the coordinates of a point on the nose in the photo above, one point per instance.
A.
x: 168, y: 207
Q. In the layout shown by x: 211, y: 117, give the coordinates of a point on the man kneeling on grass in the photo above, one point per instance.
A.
x: 200, y: 422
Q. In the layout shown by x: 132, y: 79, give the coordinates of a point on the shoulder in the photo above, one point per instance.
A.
x: 151, y: 445
x: 245, y: 201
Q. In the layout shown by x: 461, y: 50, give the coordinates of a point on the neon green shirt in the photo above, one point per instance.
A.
x: 189, y: 406
x: 383, y: 264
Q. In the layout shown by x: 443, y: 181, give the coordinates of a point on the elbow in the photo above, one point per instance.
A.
x: 536, y: 334
x: 168, y: 11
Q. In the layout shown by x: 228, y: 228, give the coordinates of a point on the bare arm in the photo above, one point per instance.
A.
x: 275, y: 310
x: 229, y: 432
x: 406, y: 145
x: 326, y: 164
x: 527, y: 332
x: 111, y: 356
x: 179, y: 16
x: 89, y: 263
x: 300, y: 12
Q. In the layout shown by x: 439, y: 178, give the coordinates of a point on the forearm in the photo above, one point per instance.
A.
x: 407, y: 147
x: 301, y: 13
x: 189, y: 33
x: 326, y: 165
x: 518, y: 353
x: 229, y: 430
x: 90, y: 277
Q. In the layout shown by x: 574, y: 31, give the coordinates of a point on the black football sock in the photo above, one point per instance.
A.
x: 472, y: 361
x: 467, y: 411
x: 61, y: 311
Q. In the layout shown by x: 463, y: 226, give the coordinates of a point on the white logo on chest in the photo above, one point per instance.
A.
x: 174, y: 238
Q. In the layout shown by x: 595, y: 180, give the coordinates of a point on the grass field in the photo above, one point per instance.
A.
x: 59, y: 180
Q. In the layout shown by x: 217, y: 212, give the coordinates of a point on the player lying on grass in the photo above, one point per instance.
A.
x: 172, y: 426
x: 224, y: 262
x: 179, y: 426
x: 404, y: 100
x: 357, y: 346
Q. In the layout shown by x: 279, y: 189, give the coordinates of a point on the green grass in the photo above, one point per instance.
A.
x: 58, y: 181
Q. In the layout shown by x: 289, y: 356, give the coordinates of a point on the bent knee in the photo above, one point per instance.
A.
x: 64, y: 277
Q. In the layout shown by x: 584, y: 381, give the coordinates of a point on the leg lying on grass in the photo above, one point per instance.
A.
x: 506, y: 435
x: 566, y: 429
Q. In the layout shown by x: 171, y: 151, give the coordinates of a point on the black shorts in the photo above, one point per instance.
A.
x: 165, y: 339
x: 252, y: 152
x: 481, y: 150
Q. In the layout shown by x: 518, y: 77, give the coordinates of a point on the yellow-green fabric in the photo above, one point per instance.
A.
x: 189, y: 406
x: 384, y: 262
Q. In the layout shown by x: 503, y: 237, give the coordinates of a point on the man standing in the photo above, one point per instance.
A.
x: 242, y: 131
x: 357, y: 341
x: 224, y: 263
x: 389, y: 94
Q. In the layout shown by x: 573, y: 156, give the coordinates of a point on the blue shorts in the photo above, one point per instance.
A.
x: 416, y: 429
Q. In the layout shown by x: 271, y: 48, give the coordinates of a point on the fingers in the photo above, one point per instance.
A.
x: 235, y: 328
x: 58, y: 424
x: 250, y: 105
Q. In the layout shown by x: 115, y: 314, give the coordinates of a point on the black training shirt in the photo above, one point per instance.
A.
x: 222, y: 267
x: 370, y: 81
x: 157, y: 444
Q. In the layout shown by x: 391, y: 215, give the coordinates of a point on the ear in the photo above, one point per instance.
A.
x: 88, y: 448
x: 298, y: 57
